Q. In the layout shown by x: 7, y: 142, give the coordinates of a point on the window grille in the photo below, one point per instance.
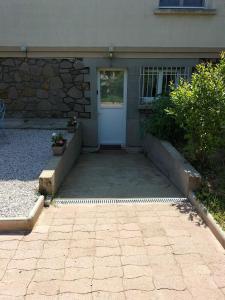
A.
x: 155, y: 81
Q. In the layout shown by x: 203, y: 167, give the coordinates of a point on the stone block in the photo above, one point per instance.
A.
x: 42, y: 94
x: 75, y: 93
x: 78, y: 65
x: 66, y: 64
x: 84, y: 115
x: 48, y: 71
x: 55, y: 83
x: 28, y: 92
x: 44, y: 105
x: 8, y: 62
x: 24, y: 67
x: 85, y: 101
x: 66, y: 78
x: 79, y: 108
x: 68, y: 100
x: 12, y: 93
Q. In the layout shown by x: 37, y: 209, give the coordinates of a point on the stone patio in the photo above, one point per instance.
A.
x: 146, y: 251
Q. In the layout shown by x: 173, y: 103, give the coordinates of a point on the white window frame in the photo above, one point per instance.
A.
x: 149, y: 73
x: 181, y: 5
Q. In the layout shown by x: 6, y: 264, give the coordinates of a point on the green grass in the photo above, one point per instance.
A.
x: 212, y: 192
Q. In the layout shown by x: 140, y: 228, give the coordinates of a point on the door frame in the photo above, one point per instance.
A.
x: 123, y: 145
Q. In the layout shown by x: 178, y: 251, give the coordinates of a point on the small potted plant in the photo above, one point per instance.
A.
x: 72, y: 124
x: 58, y: 143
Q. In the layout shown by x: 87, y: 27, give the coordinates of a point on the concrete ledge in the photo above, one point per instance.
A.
x: 59, y: 166
x: 185, y: 11
x: 172, y: 164
x: 22, y: 223
x: 208, y: 218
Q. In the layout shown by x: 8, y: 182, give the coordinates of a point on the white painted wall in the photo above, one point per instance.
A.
x: 93, y: 23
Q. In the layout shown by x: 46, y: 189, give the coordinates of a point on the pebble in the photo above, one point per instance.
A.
x: 23, y: 155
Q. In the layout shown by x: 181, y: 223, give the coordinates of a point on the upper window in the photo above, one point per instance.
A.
x: 182, y: 3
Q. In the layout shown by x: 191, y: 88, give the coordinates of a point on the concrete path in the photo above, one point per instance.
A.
x: 121, y: 252
x: 116, y: 174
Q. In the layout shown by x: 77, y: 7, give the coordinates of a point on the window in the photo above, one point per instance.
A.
x: 155, y: 81
x: 182, y: 3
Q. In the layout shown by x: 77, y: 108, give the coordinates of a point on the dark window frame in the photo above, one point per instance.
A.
x: 180, y: 4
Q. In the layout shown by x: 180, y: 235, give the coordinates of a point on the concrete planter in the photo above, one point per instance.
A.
x: 59, y: 166
x: 59, y: 150
x: 71, y: 129
x: 23, y: 223
x: 172, y: 164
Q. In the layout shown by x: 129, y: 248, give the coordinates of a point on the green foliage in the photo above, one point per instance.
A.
x: 214, y: 203
x: 199, y: 108
x: 161, y: 124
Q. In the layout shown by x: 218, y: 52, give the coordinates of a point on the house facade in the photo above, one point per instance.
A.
x: 102, y: 60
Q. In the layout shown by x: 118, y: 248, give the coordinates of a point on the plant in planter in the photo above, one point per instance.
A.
x: 58, y: 143
x: 72, y: 124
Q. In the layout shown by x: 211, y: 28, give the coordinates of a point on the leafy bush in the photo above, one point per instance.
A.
x: 214, y: 203
x: 161, y: 124
x: 199, y: 108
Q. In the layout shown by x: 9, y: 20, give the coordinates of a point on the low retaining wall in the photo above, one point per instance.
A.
x: 22, y: 223
x: 208, y: 218
x: 59, y: 166
x: 172, y: 164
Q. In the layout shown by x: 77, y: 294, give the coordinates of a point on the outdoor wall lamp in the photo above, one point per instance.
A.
x: 111, y: 50
x: 24, y: 49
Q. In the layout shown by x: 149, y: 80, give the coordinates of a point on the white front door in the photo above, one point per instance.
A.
x: 112, y: 93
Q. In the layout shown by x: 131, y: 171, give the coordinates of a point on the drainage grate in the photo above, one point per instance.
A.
x: 119, y: 200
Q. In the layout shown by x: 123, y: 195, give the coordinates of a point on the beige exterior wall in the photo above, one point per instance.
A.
x: 101, y: 23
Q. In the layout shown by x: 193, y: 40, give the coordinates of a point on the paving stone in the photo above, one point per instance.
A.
x: 73, y: 258
x: 47, y: 288
x: 174, y: 295
x: 132, y: 241
x: 107, y: 272
x: 79, y: 286
x: 108, y: 296
x: 137, y: 271
x: 107, y: 251
x: 23, y: 264
x: 13, y: 288
x: 169, y: 282
x: 51, y: 263
x: 114, y: 285
x: 78, y: 273
x: 80, y: 262
x: 108, y: 261
x: 140, y: 295
x: 139, y: 283
x: 133, y: 250
x: 107, y: 242
x: 75, y: 296
x: 18, y: 275
x: 80, y: 252
x: 136, y: 260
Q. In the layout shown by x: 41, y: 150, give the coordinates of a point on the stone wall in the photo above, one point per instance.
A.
x: 54, y: 88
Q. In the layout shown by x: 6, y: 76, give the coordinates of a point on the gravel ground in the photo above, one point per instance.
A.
x: 23, y: 155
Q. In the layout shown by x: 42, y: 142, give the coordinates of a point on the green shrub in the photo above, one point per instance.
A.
x: 161, y: 124
x: 199, y: 108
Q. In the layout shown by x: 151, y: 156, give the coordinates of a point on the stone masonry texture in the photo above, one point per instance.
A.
x: 54, y: 88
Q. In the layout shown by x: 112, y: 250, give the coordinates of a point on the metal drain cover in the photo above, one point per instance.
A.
x: 118, y: 200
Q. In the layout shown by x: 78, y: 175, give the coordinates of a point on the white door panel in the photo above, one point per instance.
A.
x: 112, y: 107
